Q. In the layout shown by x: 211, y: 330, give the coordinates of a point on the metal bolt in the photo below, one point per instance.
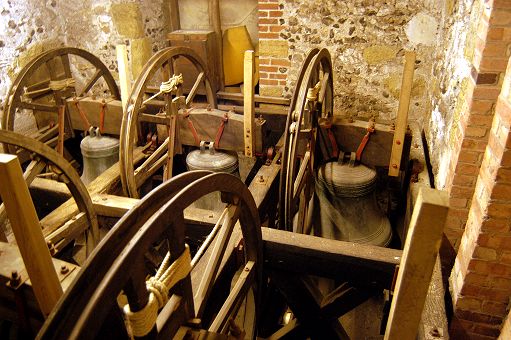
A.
x: 261, y: 178
x: 15, y: 278
x: 64, y: 269
x: 394, y: 166
x: 247, y: 269
x: 398, y: 142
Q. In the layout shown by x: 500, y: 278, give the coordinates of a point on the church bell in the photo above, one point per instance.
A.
x: 348, y: 210
x: 99, y: 153
x: 207, y: 158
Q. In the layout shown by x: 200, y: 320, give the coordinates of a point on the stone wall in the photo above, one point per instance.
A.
x: 450, y: 81
x: 28, y: 28
x: 366, y: 39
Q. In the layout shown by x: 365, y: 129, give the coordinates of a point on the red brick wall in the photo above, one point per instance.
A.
x: 273, y: 59
x: 481, y: 277
x: 491, y: 53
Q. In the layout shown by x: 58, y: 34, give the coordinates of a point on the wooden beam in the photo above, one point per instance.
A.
x: 349, y: 133
x: 267, y: 110
x: 419, y: 256
x: 124, y: 75
x: 214, y: 18
x: 363, y: 265
x: 207, y: 122
x: 402, y: 114
x: 92, y: 108
x: 257, y: 98
x: 175, y: 22
x: 248, y: 103
x: 27, y: 231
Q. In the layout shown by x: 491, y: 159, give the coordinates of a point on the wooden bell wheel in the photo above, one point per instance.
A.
x: 43, y: 85
x: 148, y: 108
x: 312, y: 100
x: 89, y: 308
x: 43, y: 157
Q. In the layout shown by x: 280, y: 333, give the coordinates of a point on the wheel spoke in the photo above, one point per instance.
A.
x: 98, y: 74
x: 45, y: 84
x: 324, y: 83
x: 65, y: 64
x: 205, y: 245
x: 36, y: 94
x: 38, y: 107
x: 33, y: 169
x: 195, y: 87
x: 152, y: 163
x: 237, y: 294
x: 215, y: 260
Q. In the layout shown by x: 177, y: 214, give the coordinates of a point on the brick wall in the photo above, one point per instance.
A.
x: 481, y: 277
x: 489, y: 55
x: 273, y: 52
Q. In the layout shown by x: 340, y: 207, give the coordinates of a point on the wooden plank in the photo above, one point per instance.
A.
x: 434, y: 315
x: 361, y: 264
x: 263, y: 182
x: 257, y: 98
x: 92, y: 108
x: 419, y: 256
x: 248, y: 103
x: 206, y: 123
x: 124, y: 75
x: 26, y: 229
x: 111, y: 205
x: 402, y: 114
x: 349, y: 134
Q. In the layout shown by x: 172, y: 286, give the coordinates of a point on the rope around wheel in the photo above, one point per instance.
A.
x: 158, y: 286
x: 167, y: 87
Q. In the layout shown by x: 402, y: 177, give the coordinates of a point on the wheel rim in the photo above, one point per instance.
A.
x: 48, y: 156
x: 298, y: 159
x: 85, y: 303
x: 132, y: 132
x: 53, y: 65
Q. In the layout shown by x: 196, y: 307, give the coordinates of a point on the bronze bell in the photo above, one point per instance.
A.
x: 348, y: 210
x: 99, y: 153
x: 207, y: 158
